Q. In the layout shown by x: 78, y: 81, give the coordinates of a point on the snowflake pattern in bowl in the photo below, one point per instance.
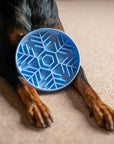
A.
x: 48, y: 59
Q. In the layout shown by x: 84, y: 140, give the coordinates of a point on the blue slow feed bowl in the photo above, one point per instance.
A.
x: 48, y: 59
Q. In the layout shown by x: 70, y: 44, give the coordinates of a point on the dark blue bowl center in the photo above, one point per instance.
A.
x: 48, y: 59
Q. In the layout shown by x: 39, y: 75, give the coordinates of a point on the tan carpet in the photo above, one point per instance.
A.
x: 91, y: 26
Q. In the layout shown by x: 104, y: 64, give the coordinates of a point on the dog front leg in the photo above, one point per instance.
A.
x: 37, y: 111
x: 103, y: 114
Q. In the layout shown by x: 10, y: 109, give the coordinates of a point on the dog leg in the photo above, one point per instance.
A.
x: 37, y: 111
x: 103, y: 114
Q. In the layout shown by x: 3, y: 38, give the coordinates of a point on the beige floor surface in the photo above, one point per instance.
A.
x: 91, y: 26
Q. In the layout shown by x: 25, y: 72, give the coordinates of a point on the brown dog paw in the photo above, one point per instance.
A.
x: 104, y: 115
x: 39, y: 114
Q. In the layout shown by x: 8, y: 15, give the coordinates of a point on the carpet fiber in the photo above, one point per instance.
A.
x: 91, y: 25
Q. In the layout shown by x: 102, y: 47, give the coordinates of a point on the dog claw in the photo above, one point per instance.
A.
x: 51, y: 119
x: 43, y: 125
x: 49, y: 124
x: 112, y: 128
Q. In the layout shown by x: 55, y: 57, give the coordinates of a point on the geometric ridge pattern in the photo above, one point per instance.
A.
x: 48, y: 59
